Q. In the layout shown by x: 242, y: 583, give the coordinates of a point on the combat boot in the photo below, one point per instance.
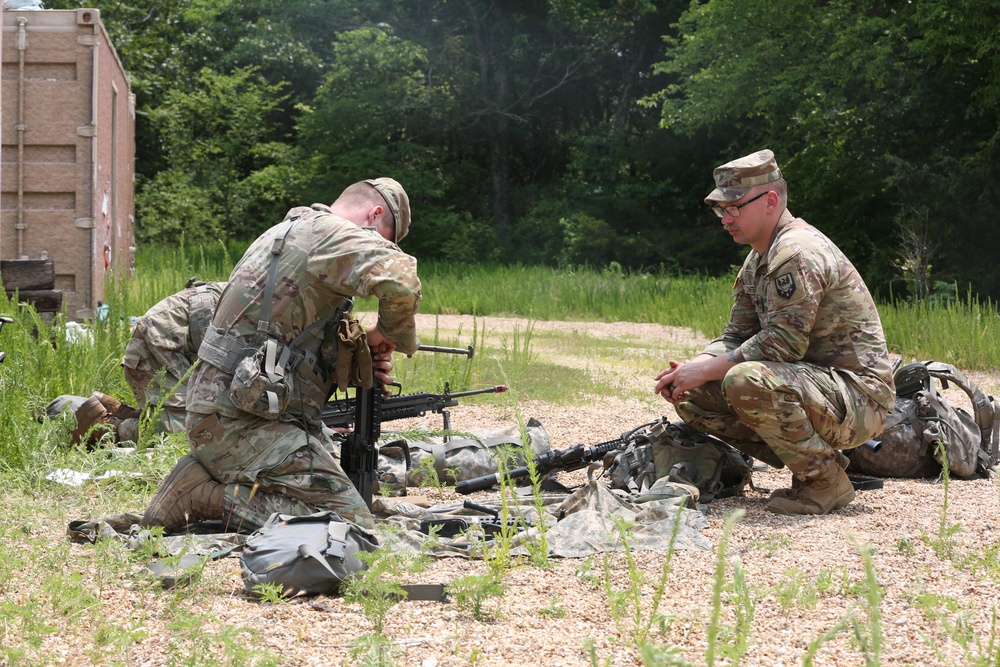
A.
x: 828, y: 491
x: 116, y: 408
x: 188, y: 494
x: 842, y: 462
x: 90, y: 413
x: 103, y: 409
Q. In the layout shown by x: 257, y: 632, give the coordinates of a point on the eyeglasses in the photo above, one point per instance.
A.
x: 734, y: 211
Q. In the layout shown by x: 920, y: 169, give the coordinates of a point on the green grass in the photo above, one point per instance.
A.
x: 547, y: 294
x: 960, y: 331
x: 963, y: 331
x: 162, y: 271
x: 44, y: 360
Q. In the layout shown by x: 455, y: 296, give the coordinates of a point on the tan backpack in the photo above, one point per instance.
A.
x: 922, y: 418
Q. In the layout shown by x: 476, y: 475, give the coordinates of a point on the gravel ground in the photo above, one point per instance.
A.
x: 804, y: 572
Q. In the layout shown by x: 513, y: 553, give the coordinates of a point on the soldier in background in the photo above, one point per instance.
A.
x: 163, y: 347
x: 250, y: 458
x: 158, y: 358
x: 801, y: 370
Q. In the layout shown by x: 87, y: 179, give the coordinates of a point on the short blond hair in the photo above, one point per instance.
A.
x: 363, y: 195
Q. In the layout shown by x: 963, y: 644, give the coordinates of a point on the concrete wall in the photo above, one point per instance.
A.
x: 68, y: 144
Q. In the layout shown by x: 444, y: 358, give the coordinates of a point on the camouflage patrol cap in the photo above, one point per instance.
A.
x: 734, y: 179
x: 397, y: 200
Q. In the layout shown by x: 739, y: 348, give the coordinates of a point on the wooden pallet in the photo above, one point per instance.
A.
x: 33, y: 281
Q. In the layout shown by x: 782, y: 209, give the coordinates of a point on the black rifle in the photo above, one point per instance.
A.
x: 342, y: 413
x: 358, y: 453
x: 452, y: 526
x: 571, y: 458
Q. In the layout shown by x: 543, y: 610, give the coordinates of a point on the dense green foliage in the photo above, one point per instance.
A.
x: 572, y: 132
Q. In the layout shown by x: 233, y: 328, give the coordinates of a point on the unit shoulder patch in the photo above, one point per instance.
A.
x: 785, y: 285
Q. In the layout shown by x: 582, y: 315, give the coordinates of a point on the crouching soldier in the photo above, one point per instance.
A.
x: 164, y: 346
x: 801, y: 371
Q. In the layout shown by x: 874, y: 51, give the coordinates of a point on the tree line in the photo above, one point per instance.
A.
x: 576, y: 132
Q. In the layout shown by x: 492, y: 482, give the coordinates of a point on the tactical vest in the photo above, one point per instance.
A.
x: 306, y: 385
x: 273, y: 379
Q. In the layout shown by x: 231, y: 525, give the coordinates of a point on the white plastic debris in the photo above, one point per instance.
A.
x: 76, y: 478
x: 77, y: 333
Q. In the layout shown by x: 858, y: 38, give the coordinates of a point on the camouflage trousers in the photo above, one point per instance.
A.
x: 172, y: 420
x: 274, y: 466
x: 797, y: 414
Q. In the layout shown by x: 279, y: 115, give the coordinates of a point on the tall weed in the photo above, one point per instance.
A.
x: 869, y: 636
x: 162, y: 271
x: 729, y: 642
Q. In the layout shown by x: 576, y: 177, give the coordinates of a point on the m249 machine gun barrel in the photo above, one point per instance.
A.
x: 341, y: 413
x: 468, y: 351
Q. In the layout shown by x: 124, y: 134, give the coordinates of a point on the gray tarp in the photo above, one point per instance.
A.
x: 586, y: 527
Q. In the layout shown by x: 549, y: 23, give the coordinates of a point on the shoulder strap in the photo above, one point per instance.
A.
x: 715, y: 486
x: 201, y: 306
x: 983, y: 408
x: 994, y: 442
x: 344, y: 307
x: 276, y: 247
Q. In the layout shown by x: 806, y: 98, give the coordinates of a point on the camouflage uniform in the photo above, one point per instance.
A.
x: 290, y: 465
x: 816, y: 374
x: 167, y: 338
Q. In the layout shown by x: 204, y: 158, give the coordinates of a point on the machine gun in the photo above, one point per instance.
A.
x: 342, y: 413
x: 358, y: 454
x: 571, y: 458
